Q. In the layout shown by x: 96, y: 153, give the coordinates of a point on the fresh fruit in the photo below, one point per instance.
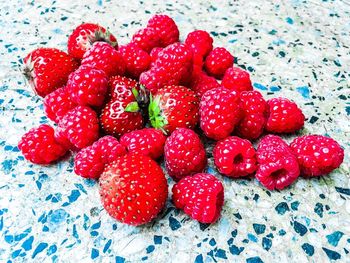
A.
x: 39, y: 145
x: 104, y: 57
x: 146, y: 39
x: 88, y: 86
x: 201, y: 44
x: 174, y: 107
x: 217, y: 62
x: 200, y: 196
x: 136, y: 60
x: 277, y: 165
x: 220, y: 112
x: 184, y: 154
x: 235, y: 157
x: 284, y: 116
x: 133, y: 189
x: 90, y: 161
x: 57, y: 104
x: 47, y: 69
x: 201, y: 83
x: 78, y: 128
x: 317, y: 154
x: 237, y: 79
x: 165, y: 28
x: 147, y: 141
x: 85, y: 35
x: 116, y: 82
x: 154, y: 54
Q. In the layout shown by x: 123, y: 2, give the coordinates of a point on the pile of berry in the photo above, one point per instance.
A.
x: 122, y: 108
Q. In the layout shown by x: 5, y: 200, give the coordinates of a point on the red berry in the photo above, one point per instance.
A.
x: 200, y: 196
x: 78, y: 128
x: 165, y: 28
x: 154, y: 54
x: 201, y: 83
x: 200, y: 42
x: 237, y: 79
x: 218, y: 61
x: 47, y: 69
x: 317, y: 155
x: 83, y: 37
x: 136, y: 60
x: 57, y: 104
x: 147, y: 141
x: 235, y: 157
x: 88, y: 86
x: 184, y: 154
x: 116, y: 82
x: 133, y: 189
x: 284, y: 116
x: 220, y: 112
x: 146, y: 39
x: 277, y: 165
x: 39, y: 145
x: 104, y: 57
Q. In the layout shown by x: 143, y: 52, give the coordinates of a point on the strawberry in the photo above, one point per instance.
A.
x: 165, y: 28
x: 116, y: 82
x: 146, y: 39
x: 133, y: 189
x: 47, y: 69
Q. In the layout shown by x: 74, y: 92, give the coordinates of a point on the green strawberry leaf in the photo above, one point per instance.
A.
x: 132, y: 107
x: 135, y: 92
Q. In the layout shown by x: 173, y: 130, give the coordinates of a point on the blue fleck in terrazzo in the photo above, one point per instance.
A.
x: 297, y: 49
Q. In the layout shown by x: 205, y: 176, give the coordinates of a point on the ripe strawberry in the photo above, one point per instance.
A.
x: 90, y: 161
x: 147, y: 141
x: 220, y: 112
x: 237, y: 79
x: 136, y: 60
x: 85, y: 35
x: 104, y: 57
x: 277, y: 165
x: 317, y: 155
x: 39, y: 146
x: 133, y: 189
x: 218, y: 61
x: 184, y: 154
x: 146, y: 39
x: 165, y: 28
x: 200, y: 196
x: 284, y: 116
x: 173, y: 107
x: 116, y: 82
x: 78, y: 128
x: 47, y: 69
x: 201, y: 83
x: 88, y: 86
x: 57, y: 104
x: 235, y: 157
x: 200, y: 42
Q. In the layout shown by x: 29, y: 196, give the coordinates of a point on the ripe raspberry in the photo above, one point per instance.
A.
x: 104, y: 57
x: 220, y: 112
x: 165, y: 28
x: 136, y: 60
x: 90, y: 161
x: 78, y: 128
x: 154, y: 54
x: 57, y: 104
x: 201, y: 83
x: 200, y: 42
x: 218, y: 61
x: 317, y: 155
x: 133, y: 189
x: 284, y: 116
x: 235, y: 157
x: 88, y: 86
x: 148, y: 141
x: 200, y: 196
x: 146, y: 39
x: 184, y: 154
x: 39, y: 146
x: 277, y: 165
x: 117, y: 82
x: 237, y: 79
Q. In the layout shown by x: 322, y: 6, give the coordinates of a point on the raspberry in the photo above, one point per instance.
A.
x: 218, y: 61
x: 165, y: 28
x: 148, y: 141
x: 90, y: 161
x: 184, y: 154
x: 200, y: 42
x: 146, y: 39
x: 317, y: 155
x: 235, y: 157
x: 39, y: 145
x: 201, y: 196
x: 277, y: 165
x: 237, y: 79
x: 284, y: 116
x: 117, y: 82
x: 154, y: 54
x: 57, y: 104
x: 201, y: 83
x: 78, y: 128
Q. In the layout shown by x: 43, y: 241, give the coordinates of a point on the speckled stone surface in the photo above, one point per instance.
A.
x: 297, y: 49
